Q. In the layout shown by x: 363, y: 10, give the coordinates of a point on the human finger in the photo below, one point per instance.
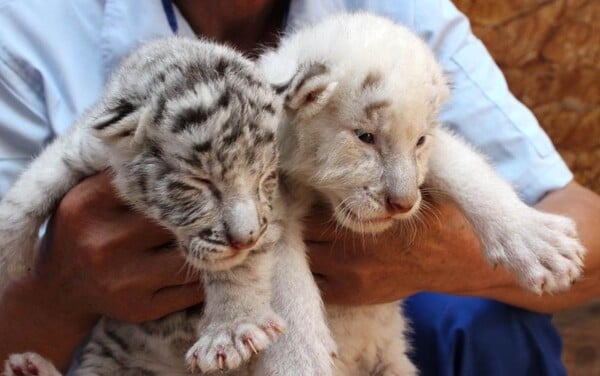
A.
x: 174, y: 298
x: 166, y: 267
x: 135, y: 231
x: 98, y: 191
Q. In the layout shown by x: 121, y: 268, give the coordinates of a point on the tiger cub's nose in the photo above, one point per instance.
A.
x: 242, y: 242
x: 241, y: 224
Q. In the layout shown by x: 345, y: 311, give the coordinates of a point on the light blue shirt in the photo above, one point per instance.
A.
x: 55, y: 56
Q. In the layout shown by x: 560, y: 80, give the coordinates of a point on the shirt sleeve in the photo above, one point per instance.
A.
x: 483, y: 110
x: 24, y: 126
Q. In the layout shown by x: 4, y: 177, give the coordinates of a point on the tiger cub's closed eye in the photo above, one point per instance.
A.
x: 202, y: 181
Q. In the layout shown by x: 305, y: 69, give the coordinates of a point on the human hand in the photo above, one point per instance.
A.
x: 437, y: 252
x: 101, y: 258
x: 98, y: 258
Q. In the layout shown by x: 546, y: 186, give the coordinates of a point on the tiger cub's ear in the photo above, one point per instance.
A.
x: 121, y: 122
x: 309, y: 90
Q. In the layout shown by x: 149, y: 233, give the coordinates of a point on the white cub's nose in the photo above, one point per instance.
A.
x: 400, y: 204
x: 243, y: 229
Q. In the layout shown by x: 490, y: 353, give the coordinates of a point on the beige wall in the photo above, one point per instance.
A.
x: 549, y: 51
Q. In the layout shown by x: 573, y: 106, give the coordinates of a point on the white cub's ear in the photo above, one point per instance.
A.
x: 310, y: 89
x: 121, y: 121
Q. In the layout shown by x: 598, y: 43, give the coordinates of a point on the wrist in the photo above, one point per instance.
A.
x: 31, y: 320
x: 43, y: 299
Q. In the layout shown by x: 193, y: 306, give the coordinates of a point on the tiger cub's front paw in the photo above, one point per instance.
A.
x: 226, y: 345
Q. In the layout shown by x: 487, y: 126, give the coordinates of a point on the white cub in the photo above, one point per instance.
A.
x: 361, y: 132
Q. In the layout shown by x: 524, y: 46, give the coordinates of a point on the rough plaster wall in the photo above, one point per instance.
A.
x: 549, y: 51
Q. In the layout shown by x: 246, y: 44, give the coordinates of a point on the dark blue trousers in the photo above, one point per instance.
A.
x: 479, y: 337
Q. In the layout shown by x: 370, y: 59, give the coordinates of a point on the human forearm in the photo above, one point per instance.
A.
x: 445, y: 256
x: 29, y: 321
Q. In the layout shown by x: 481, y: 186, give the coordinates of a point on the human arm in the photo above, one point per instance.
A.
x: 445, y: 257
x: 99, y: 258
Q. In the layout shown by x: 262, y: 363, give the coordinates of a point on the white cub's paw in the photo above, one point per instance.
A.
x: 29, y: 364
x: 542, y: 250
x: 228, y: 344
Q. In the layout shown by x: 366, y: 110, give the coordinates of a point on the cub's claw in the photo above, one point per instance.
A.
x: 193, y: 363
x: 277, y: 328
x: 221, y: 360
x: 227, y: 345
x: 250, y: 344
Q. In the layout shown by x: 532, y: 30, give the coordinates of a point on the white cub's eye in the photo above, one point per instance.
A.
x: 421, y: 141
x: 365, y: 136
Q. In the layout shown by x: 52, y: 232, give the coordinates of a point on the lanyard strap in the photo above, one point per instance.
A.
x: 170, y: 13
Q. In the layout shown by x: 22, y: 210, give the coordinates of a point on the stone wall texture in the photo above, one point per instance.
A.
x: 549, y: 51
